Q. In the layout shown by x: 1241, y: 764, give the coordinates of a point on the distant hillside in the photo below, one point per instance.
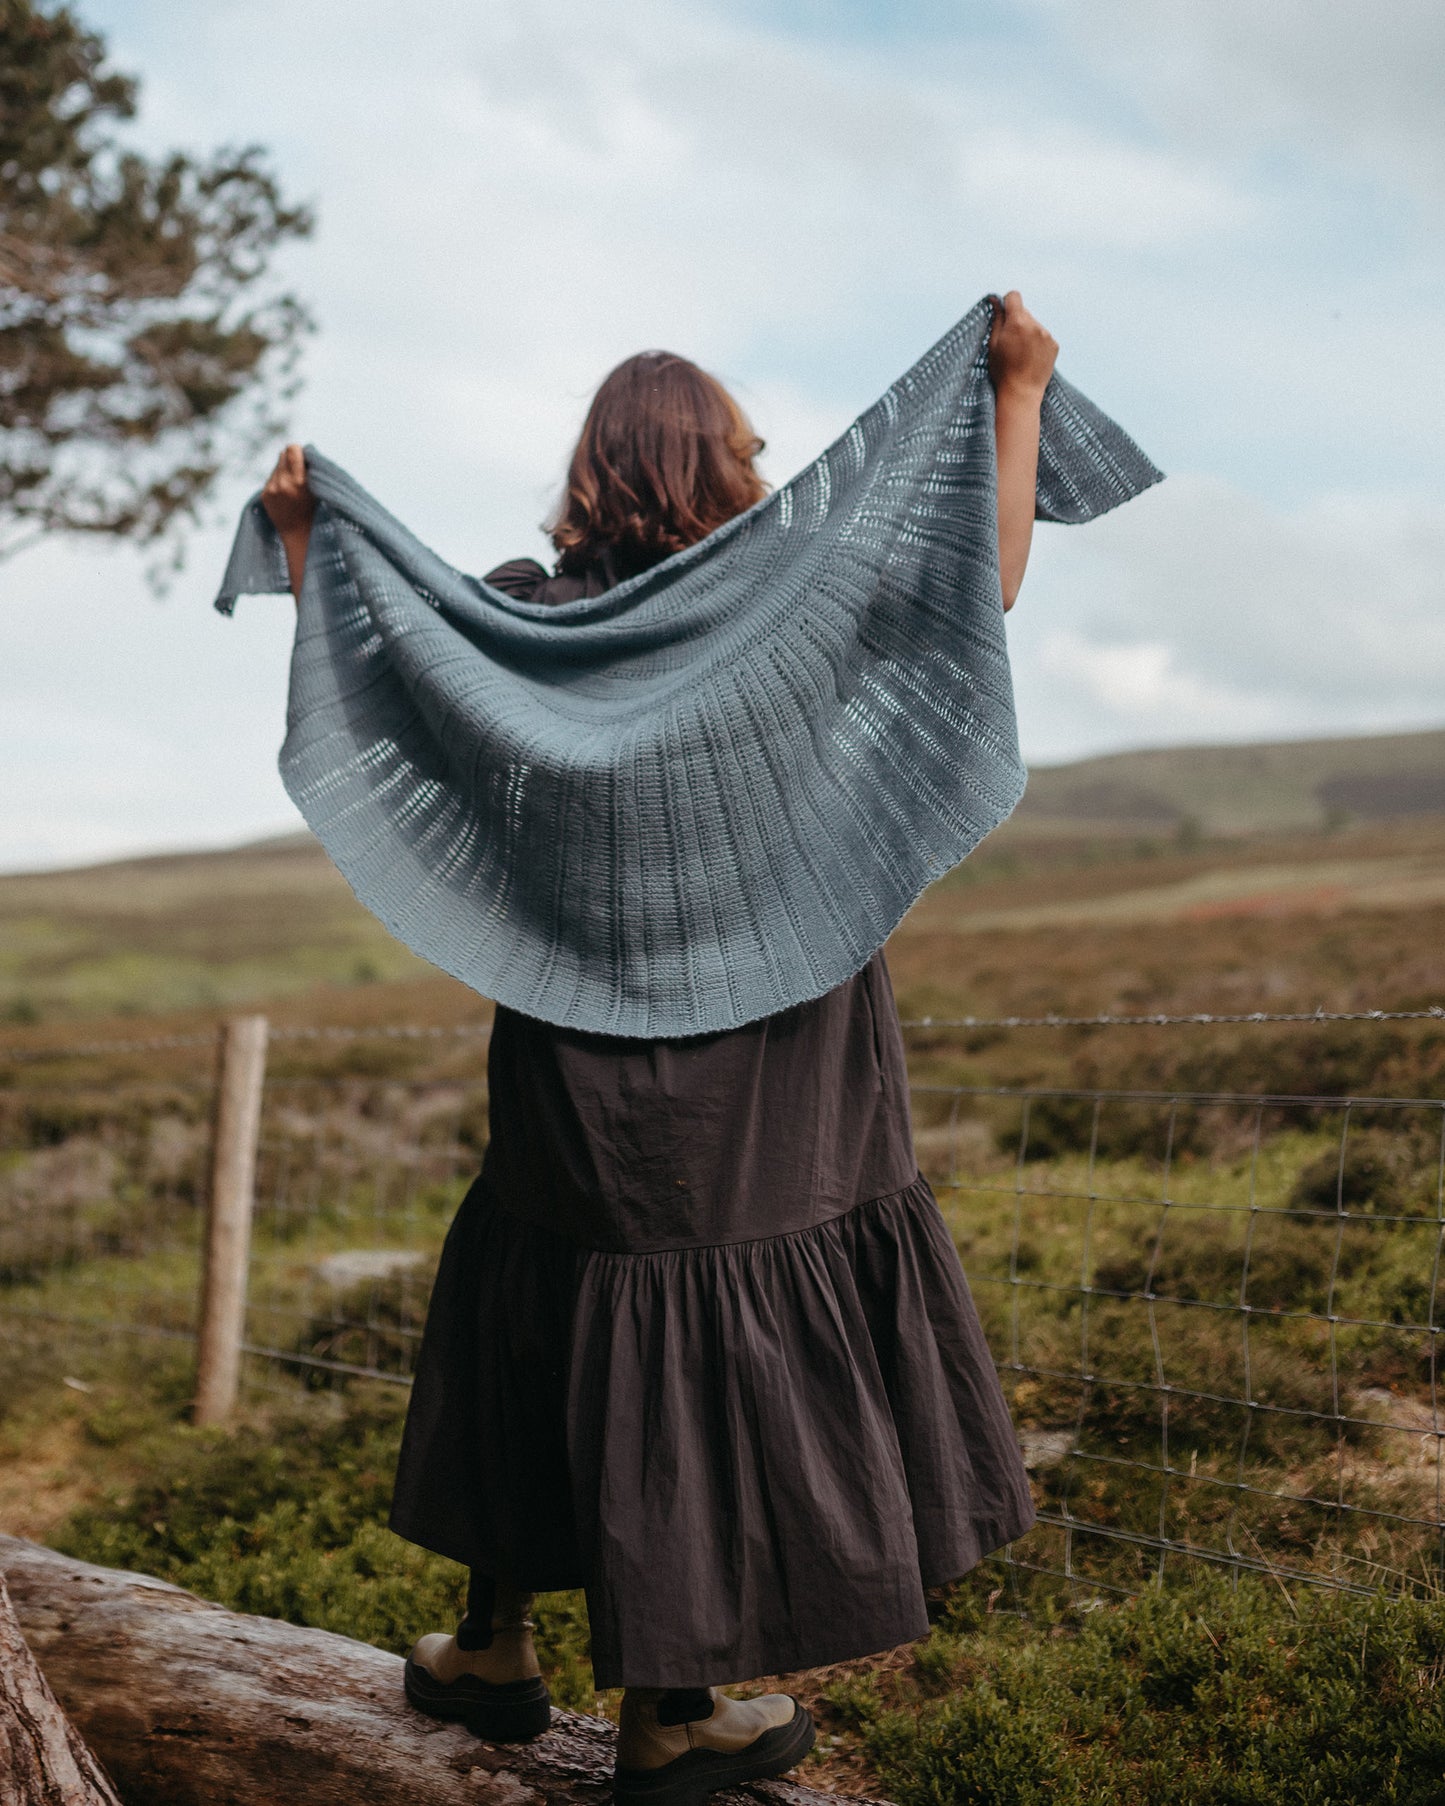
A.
x: 187, y: 931
x: 1284, y: 787
x: 208, y: 930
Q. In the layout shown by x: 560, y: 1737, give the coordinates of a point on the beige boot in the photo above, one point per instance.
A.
x: 497, y: 1692
x: 732, y: 1742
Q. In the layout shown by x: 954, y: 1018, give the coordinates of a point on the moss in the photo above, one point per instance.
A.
x: 1217, y: 1693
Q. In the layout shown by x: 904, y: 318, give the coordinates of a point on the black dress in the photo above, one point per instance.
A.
x: 700, y: 1342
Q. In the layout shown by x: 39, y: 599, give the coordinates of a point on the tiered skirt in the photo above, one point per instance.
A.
x: 755, y: 1455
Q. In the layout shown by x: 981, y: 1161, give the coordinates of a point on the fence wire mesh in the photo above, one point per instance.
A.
x: 101, y: 1195
x: 357, y: 1183
x: 1217, y: 1317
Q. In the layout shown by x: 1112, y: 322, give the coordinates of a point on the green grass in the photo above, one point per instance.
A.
x: 1272, y: 788
x: 1202, y: 1690
x: 1245, y: 1695
x: 1231, y: 1696
x: 195, y: 935
x: 285, y: 1517
x: 1219, y: 1430
x: 198, y: 931
x: 1268, y: 1432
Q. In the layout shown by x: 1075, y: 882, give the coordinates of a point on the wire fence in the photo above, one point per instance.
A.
x: 1217, y: 1316
x: 22, y: 1053
x: 357, y: 1183
x: 102, y: 1195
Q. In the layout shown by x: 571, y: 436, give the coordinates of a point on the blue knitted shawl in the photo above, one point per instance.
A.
x: 713, y: 791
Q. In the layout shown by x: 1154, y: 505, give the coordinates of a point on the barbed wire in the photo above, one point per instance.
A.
x: 481, y: 1030
x: 165, y: 1043
x: 1312, y: 1099
x: 1435, y: 1013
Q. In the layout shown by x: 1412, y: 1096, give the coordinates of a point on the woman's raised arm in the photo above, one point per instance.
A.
x: 288, y: 500
x: 1021, y: 356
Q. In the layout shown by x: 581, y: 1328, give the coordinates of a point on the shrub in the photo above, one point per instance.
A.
x: 1289, y: 1263
x: 1359, y: 1060
x: 1147, y: 1129
x: 1371, y: 1173
x: 374, y: 1323
x: 1217, y: 1693
x: 288, y: 1520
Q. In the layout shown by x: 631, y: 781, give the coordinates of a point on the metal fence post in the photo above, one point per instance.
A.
x: 241, y: 1075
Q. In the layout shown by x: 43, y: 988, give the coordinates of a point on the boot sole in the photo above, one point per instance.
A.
x: 499, y: 1712
x: 690, y: 1777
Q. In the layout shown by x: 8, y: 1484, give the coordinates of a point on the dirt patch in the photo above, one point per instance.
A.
x: 47, y: 1470
x: 836, y: 1764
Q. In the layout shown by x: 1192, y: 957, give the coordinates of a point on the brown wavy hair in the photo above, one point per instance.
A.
x: 665, y: 456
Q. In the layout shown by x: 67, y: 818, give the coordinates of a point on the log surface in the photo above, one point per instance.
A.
x: 43, y: 1761
x: 188, y: 1704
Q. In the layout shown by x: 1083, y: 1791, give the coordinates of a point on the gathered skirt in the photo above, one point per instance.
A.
x: 754, y: 1455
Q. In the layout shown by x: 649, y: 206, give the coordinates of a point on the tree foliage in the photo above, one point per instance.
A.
x: 140, y: 346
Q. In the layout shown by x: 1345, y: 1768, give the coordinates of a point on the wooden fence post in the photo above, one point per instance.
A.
x: 227, y: 1253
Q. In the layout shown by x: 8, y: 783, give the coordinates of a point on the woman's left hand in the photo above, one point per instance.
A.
x: 290, y: 505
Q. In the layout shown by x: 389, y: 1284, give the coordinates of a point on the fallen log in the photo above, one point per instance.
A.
x: 188, y: 1704
x: 43, y: 1761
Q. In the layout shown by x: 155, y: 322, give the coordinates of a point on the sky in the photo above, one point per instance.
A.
x: 1230, y: 215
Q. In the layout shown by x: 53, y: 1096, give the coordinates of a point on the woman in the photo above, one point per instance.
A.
x: 699, y: 1341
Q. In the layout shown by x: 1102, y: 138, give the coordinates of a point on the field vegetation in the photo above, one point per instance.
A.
x: 1249, y: 1694
x: 1213, y: 1290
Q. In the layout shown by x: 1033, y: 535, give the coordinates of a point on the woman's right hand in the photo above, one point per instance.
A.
x: 287, y: 497
x: 1021, y: 356
x: 1021, y: 351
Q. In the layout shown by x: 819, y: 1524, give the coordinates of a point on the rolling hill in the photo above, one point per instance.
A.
x: 1253, y: 868
x: 1282, y: 787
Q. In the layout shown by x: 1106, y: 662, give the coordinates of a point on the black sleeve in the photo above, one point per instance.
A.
x: 519, y: 577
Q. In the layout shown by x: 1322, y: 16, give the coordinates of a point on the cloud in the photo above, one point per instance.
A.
x: 1361, y: 82
x: 514, y: 197
x: 1068, y: 186
x: 1140, y: 681
x: 1201, y: 613
x: 128, y: 723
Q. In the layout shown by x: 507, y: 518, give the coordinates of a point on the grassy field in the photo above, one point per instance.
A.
x: 1252, y: 1293
x: 1253, y: 1289
x: 1252, y: 1694
x: 1287, y: 787
x: 186, y: 932
x: 1345, y: 921
x: 1290, y: 905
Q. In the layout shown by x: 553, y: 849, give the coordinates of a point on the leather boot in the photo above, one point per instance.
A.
x: 498, y: 1691
x: 675, y: 1746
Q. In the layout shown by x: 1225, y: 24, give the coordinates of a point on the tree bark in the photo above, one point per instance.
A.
x: 42, y: 1759
x: 192, y: 1705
